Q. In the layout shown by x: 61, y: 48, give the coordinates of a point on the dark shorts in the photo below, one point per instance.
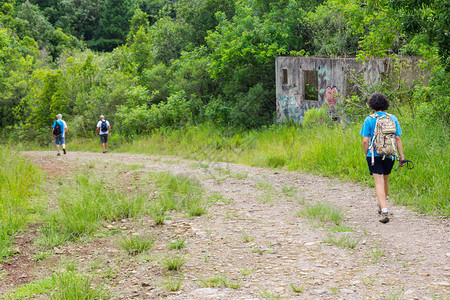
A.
x: 103, y: 138
x: 382, y: 167
x: 59, y: 140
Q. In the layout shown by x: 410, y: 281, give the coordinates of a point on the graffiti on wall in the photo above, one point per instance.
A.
x: 332, y: 95
x: 290, y: 108
x: 322, y: 72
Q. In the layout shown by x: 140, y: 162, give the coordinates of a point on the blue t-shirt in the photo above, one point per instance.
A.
x: 369, y: 127
x: 61, y: 123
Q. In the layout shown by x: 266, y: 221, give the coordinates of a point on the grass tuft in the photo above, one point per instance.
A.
x: 345, y: 241
x: 324, y: 212
x: 136, y: 244
x: 174, y: 262
x: 177, y: 244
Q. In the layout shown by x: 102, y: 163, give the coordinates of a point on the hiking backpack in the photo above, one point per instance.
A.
x: 104, y: 126
x: 57, y: 129
x: 383, y: 140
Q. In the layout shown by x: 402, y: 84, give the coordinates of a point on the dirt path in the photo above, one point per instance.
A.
x: 257, y: 239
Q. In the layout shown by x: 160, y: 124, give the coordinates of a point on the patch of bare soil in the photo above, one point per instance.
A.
x: 255, y: 240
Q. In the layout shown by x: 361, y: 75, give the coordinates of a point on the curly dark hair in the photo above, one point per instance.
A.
x: 378, y: 102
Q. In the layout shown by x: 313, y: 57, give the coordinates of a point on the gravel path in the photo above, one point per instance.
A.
x: 256, y: 241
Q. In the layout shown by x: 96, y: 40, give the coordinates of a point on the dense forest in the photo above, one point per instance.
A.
x: 148, y: 64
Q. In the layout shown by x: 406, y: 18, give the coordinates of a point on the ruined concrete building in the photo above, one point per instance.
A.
x: 306, y: 82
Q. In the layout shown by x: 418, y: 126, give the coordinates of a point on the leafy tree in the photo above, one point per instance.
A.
x: 168, y: 38
x: 152, y: 8
x: 79, y: 18
x: 113, y: 24
x: 17, y: 58
x: 200, y: 15
x: 329, y: 33
x: 243, y: 52
x: 36, y: 25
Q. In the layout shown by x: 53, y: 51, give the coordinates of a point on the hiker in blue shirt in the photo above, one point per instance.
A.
x: 59, y: 133
x: 380, y: 166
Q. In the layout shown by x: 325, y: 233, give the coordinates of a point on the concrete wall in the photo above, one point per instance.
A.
x: 333, y: 76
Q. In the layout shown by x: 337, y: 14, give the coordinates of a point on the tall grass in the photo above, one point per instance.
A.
x: 84, y: 205
x: 178, y: 193
x: 330, y: 151
x: 62, y: 285
x: 20, y: 185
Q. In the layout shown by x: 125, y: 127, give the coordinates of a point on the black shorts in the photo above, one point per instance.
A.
x: 382, y: 167
x: 103, y: 138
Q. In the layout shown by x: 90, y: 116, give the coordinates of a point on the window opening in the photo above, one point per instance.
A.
x: 311, y: 88
x: 285, y: 76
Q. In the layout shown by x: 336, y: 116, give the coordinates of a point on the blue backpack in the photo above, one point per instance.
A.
x: 104, y: 126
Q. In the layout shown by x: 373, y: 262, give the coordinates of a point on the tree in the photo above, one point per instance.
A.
x: 114, y: 24
x: 201, y: 15
x: 36, y: 25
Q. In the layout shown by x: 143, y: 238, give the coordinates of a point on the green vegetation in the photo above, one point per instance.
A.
x: 174, y: 262
x: 320, y: 150
x: 177, y: 244
x: 220, y: 281
x: 197, y: 79
x: 345, y: 241
x: 324, y: 212
x: 178, y: 193
x: 136, y: 244
x: 82, y: 208
x: 65, y: 284
x: 296, y: 289
x: 20, y: 188
x: 173, y: 283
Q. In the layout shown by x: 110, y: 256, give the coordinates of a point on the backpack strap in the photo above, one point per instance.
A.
x: 372, y: 142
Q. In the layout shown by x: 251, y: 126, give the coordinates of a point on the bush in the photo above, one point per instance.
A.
x: 320, y: 116
x: 250, y: 110
x: 174, y: 113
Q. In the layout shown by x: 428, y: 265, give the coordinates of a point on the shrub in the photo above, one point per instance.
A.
x: 320, y: 116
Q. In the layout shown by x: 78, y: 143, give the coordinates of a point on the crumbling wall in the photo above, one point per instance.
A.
x: 294, y: 76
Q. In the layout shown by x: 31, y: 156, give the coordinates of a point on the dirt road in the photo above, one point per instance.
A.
x: 256, y: 241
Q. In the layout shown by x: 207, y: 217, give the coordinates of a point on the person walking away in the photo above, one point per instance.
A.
x: 382, y: 145
x: 105, y: 130
x: 59, y: 133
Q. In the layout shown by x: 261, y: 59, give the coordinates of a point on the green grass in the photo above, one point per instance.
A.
x: 330, y: 151
x: 62, y: 285
x: 324, y: 212
x: 136, y: 244
x: 177, y: 244
x: 178, y: 193
x: 173, y: 284
x: 344, y: 241
x: 377, y: 254
x: 220, y: 281
x: 84, y: 205
x: 174, y: 262
x: 335, y: 152
x: 246, y: 238
x: 20, y: 187
x: 297, y: 289
x: 289, y: 191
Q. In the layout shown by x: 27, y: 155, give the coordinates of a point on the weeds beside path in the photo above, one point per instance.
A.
x: 263, y: 236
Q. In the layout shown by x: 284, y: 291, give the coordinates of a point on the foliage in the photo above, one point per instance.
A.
x: 113, y: 24
x: 308, y: 150
x: 176, y: 112
x: 19, y: 183
x: 317, y: 116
